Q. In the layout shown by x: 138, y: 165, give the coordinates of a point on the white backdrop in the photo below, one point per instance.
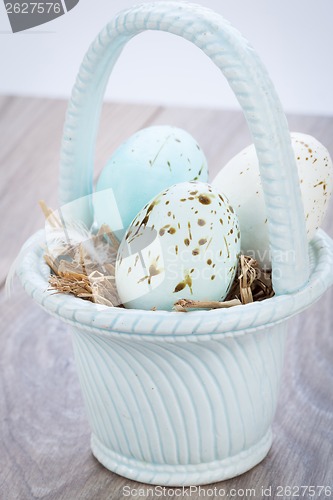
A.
x: 293, y: 37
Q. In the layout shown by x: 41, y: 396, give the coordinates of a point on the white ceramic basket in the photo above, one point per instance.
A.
x: 185, y: 398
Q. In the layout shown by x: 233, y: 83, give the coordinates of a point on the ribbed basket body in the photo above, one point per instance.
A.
x: 181, y: 412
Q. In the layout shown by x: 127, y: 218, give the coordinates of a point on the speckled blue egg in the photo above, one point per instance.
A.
x: 149, y: 161
x: 184, y: 244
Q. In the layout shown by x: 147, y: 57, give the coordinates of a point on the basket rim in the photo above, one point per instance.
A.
x: 140, y: 324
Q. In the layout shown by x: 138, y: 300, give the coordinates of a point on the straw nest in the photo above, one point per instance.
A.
x: 86, y: 269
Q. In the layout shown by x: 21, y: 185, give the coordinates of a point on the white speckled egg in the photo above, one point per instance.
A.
x: 240, y: 180
x: 149, y: 161
x: 183, y: 244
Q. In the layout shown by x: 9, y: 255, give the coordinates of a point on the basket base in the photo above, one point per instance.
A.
x: 182, y: 475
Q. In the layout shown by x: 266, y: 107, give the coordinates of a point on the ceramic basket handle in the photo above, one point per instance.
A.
x: 255, y: 93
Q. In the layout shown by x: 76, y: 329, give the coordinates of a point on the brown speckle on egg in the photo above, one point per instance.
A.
x: 186, y: 282
x: 204, y: 199
x: 179, y: 287
x: 144, y: 279
x: 209, y: 242
x: 153, y: 269
x: 201, y: 222
x: 227, y: 246
x: 189, y: 230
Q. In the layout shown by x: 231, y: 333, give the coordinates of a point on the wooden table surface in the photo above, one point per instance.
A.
x: 44, y: 432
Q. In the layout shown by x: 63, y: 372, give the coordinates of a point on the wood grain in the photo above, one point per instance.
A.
x: 44, y: 433
x: 31, y: 132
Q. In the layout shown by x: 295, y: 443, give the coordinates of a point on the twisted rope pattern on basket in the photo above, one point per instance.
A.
x: 255, y: 93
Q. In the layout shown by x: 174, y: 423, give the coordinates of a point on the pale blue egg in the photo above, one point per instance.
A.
x: 184, y: 244
x: 150, y: 161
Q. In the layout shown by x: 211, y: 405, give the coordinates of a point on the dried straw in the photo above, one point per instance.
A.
x: 183, y: 305
x: 251, y: 284
x: 78, y: 269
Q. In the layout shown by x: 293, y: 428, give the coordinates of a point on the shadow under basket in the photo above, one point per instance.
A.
x: 185, y: 398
